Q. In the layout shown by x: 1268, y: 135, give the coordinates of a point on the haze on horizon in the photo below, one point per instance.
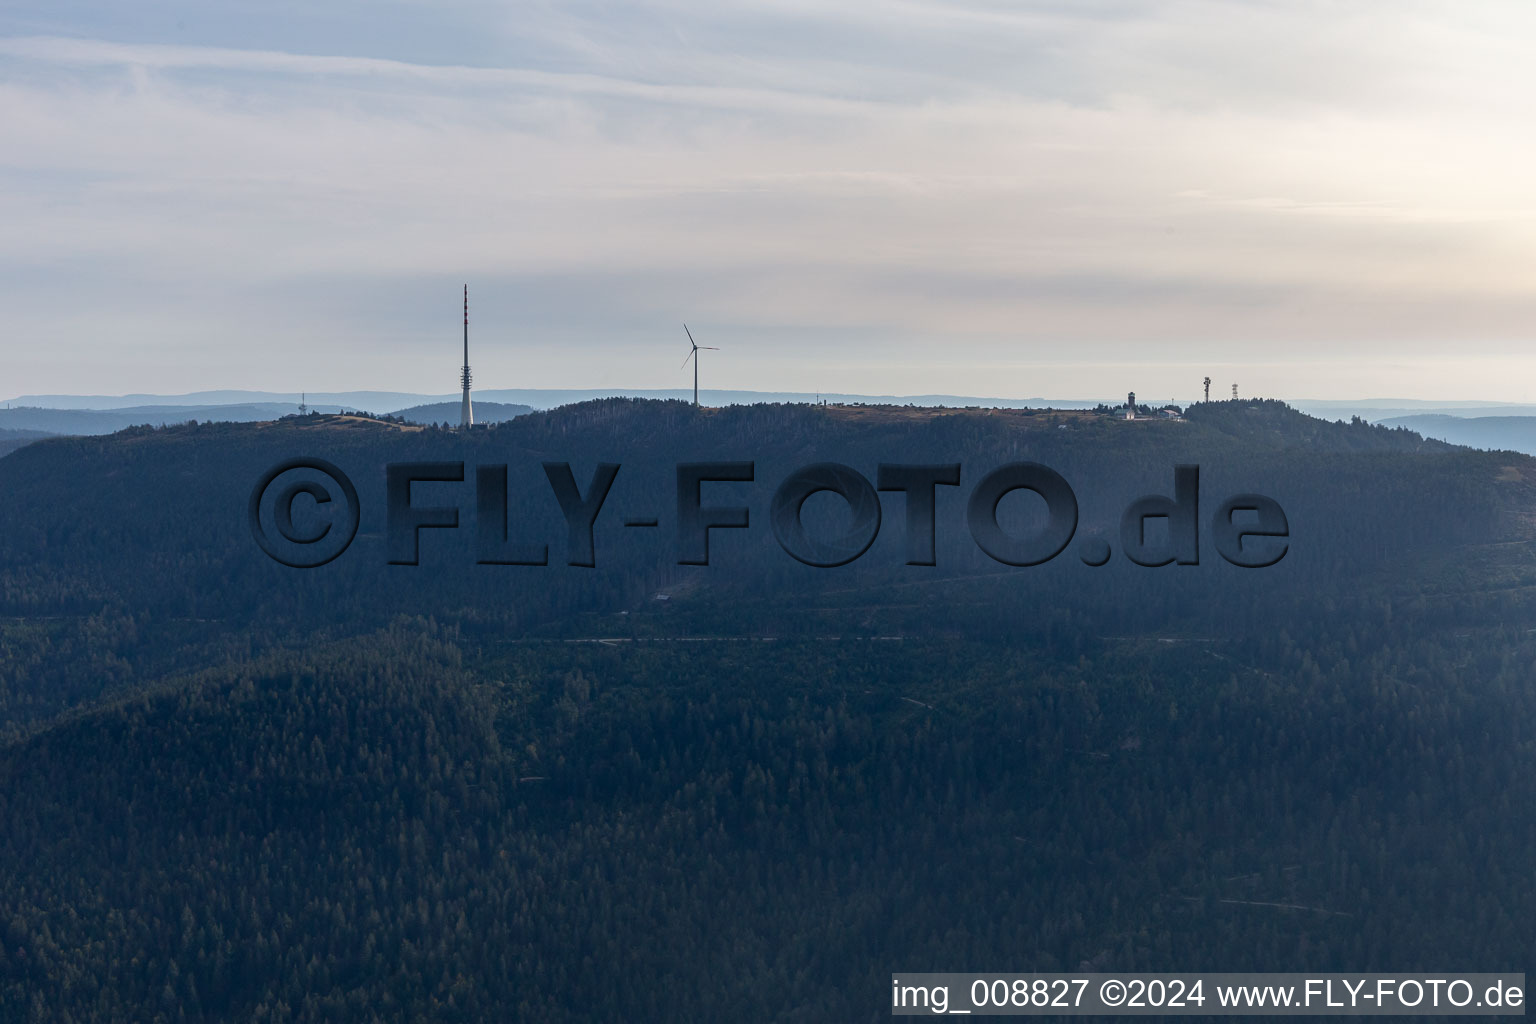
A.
x: 900, y: 197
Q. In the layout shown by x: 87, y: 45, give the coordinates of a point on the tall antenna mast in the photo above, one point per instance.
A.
x: 303, y: 408
x: 1207, y: 389
x: 466, y: 411
x: 1234, y: 392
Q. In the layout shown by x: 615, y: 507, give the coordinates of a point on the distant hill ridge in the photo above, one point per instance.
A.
x: 448, y: 412
x: 1500, y: 433
x: 1476, y: 424
x: 1372, y: 409
x: 537, y: 398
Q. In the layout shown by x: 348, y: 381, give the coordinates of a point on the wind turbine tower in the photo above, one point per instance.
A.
x: 693, y: 354
x: 466, y: 411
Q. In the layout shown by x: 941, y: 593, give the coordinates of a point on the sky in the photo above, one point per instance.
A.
x: 1070, y: 199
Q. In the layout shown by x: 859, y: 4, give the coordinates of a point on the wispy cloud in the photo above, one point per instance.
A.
x: 973, y: 186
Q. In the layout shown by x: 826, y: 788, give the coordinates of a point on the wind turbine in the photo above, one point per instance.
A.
x: 693, y: 354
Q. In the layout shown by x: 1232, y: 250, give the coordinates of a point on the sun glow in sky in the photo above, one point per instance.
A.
x: 1062, y: 199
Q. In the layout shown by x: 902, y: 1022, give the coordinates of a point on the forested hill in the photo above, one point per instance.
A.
x: 235, y: 790
x: 149, y: 529
x: 156, y: 518
x: 1512, y: 433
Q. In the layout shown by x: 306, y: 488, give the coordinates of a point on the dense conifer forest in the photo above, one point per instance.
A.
x: 234, y: 790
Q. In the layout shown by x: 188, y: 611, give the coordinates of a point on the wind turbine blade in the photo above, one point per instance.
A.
x: 690, y: 336
x: 710, y: 348
x: 690, y: 356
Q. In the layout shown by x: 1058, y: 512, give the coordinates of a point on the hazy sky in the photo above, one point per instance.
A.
x: 1324, y: 199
